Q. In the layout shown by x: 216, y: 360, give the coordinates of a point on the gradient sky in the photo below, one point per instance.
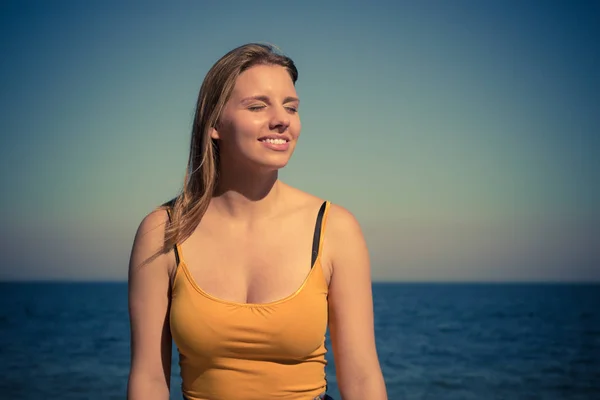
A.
x: 462, y: 134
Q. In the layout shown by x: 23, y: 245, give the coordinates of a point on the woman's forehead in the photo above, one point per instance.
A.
x: 264, y: 79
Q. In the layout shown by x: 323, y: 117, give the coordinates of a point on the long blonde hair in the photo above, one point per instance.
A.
x: 187, y: 209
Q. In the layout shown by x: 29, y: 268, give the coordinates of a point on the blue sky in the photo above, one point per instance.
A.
x: 463, y: 135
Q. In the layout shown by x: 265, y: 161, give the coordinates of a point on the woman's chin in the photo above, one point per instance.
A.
x: 271, y: 166
x: 273, y: 162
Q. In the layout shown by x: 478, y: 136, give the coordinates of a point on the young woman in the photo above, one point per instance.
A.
x: 244, y: 272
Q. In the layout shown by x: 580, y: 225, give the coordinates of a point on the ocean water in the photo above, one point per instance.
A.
x: 435, y: 341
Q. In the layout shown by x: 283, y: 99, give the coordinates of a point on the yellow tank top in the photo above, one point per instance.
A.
x: 240, y: 351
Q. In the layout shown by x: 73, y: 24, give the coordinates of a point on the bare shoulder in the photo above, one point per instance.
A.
x: 301, y: 200
x: 153, y: 224
x: 342, y: 221
x: 345, y: 244
x: 149, y: 237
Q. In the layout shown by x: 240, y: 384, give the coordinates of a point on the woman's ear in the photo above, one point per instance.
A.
x: 214, y: 133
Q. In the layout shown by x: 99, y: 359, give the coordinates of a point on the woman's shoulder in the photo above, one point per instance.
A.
x: 154, y: 222
x: 299, y: 200
x: 339, y: 217
x: 343, y: 235
x: 150, y: 235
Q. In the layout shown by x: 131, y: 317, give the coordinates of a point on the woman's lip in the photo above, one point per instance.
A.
x: 276, y: 146
x: 276, y: 137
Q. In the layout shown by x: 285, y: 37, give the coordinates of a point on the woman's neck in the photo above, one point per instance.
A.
x: 247, y: 195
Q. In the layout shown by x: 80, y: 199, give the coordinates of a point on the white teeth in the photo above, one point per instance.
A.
x: 275, y: 141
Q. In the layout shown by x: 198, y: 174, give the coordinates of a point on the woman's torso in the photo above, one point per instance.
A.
x: 249, y: 308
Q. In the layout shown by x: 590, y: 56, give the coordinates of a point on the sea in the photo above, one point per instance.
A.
x: 435, y: 341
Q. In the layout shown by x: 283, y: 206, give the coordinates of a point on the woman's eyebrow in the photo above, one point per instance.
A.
x: 265, y: 99
x: 291, y: 99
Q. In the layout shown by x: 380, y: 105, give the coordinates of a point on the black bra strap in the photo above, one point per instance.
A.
x: 317, y: 235
x: 174, y: 247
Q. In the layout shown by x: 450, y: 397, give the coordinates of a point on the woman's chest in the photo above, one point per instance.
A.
x: 291, y: 328
x: 258, y: 268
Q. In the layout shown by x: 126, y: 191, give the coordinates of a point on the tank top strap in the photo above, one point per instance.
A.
x: 319, y: 229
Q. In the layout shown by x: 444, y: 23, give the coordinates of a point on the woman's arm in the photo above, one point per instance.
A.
x: 351, y: 323
x: 149, y: 283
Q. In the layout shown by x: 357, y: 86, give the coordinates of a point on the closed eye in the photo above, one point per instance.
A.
x: 256, y: 108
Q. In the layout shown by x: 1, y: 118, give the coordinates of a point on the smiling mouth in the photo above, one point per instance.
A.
x: 274, y: 141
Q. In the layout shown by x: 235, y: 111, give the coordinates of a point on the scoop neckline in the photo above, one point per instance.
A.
x: 183, y: 265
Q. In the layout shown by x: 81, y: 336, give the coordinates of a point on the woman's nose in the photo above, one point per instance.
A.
x: 280, y: 119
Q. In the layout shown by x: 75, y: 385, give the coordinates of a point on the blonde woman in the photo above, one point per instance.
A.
x: 244, y: 272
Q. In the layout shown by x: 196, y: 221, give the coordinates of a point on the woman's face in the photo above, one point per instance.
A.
x: 260, y: 124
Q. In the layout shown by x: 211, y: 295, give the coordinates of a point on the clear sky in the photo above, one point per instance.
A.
x: 464, y: 135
